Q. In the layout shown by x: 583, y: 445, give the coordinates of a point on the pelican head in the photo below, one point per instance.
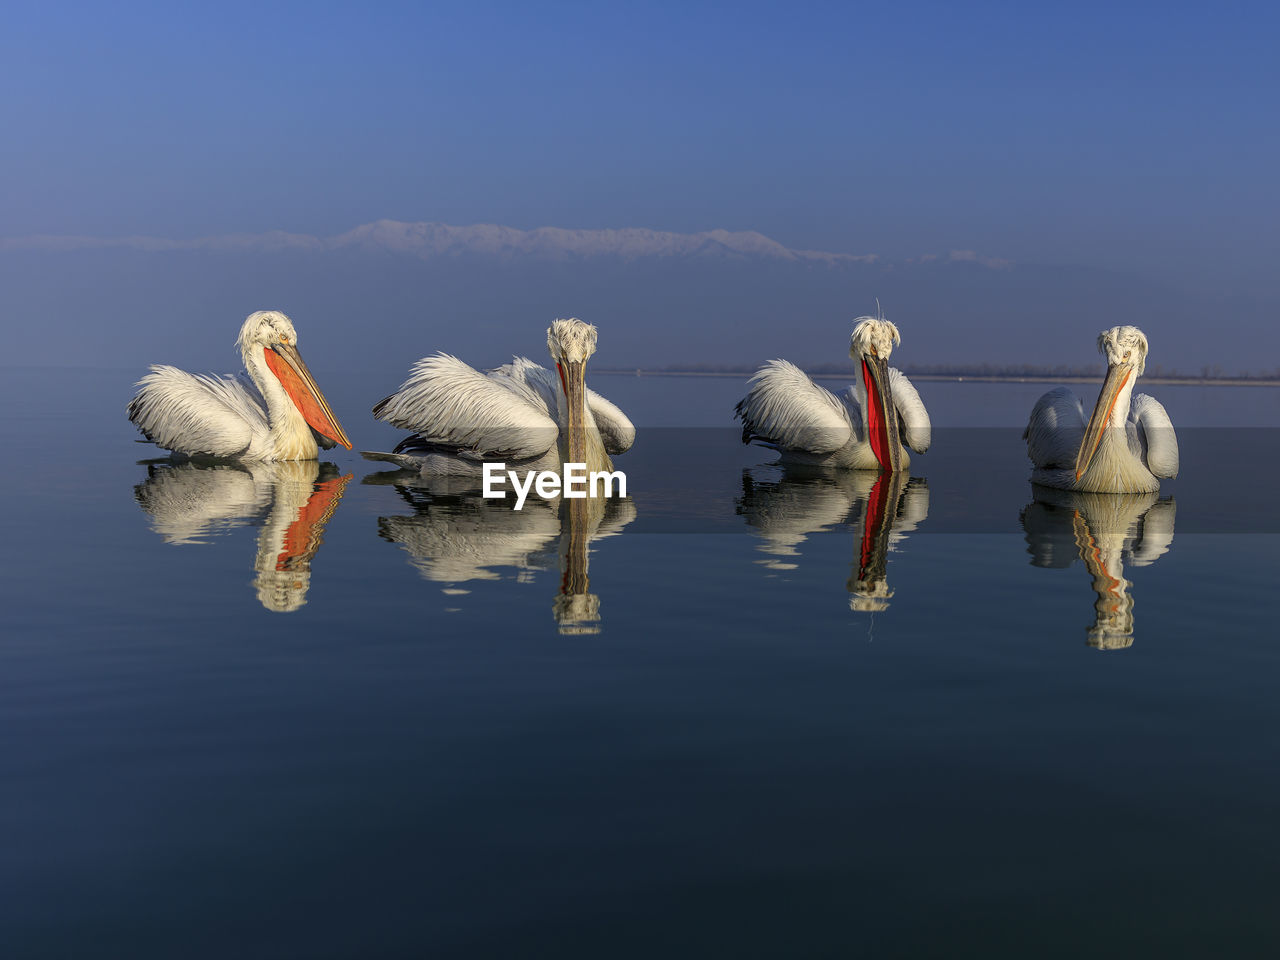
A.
x: 269, y: 335
x: 1126, y: 351
x: 870, y: 345
x: 873, y: 337
x: 571, y: 343
x: 1124, y: 345
x: 266, y: 328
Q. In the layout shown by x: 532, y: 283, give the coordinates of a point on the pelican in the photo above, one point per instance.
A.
x: 1129, y: 443
x: 519, y: 413
x: 278, y: 413
x: 861, y: 429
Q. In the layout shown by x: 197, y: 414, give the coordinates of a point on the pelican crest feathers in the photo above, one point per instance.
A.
x: 873, y: 335
x: 571, y: 339
x: 1113, y: 344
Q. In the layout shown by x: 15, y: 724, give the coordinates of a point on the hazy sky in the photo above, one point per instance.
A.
x: 1133, y: 136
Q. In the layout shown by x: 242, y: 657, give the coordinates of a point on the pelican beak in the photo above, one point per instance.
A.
x: 287, y: 365
x: 882, y: 415
x: 573, y: 379
x: 1117, y: 376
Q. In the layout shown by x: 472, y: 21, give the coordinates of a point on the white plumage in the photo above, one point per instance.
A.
x: 275, y: 413
x: 500, y: 413
x: 864, y: 428
x: 199, y: 413
x: 519, y: 413
x: 1128, y: 443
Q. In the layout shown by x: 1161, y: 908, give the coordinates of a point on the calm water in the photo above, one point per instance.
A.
x: 316, y: 712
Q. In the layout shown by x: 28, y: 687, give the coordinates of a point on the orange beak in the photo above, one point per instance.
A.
x: 1117, y: 377
x: 287, y: 365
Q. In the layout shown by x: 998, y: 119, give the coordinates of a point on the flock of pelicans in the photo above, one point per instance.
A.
x: 533, y: 419
x: 1099, y: 476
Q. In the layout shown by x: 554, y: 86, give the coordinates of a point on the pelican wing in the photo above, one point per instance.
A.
x: 616, y: 429
x: 1055, y: 431
x: 917, y: 432
x: 1151, y: 436
x: 197, y: 414
x: 784, y: 409
x: 530, y: 380
x: 451, y: 405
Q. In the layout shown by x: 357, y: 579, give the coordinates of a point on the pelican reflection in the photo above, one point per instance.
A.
x: 293, y: 500
x: 455, y: 536
x: 1103, y: 530
x: 880, y: 507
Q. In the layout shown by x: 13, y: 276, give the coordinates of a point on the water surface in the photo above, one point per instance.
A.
x: 326, y: 711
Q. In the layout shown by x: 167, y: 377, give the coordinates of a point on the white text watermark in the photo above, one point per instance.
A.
x: 576, y: 483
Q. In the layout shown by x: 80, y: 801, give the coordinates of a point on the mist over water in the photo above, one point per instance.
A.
x: 376, y: 311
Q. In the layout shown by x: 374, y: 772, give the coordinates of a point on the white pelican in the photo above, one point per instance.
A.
x: 292, y: 500
x: 1129, y: 443
x: 1103, y: 530
x: 862, y: 429
x: 881, y: 509
x: 520, y: 413
x: 277, y: 414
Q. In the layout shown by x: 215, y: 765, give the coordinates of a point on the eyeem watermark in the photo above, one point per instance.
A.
x: 575, y: 484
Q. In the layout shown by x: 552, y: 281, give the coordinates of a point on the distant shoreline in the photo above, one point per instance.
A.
x: 963, y: 378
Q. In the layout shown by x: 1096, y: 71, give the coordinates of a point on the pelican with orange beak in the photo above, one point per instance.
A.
x: 868, y: 427
x: 1128, y: 444
x: 277, y: 413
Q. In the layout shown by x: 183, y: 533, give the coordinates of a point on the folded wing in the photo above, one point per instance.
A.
x: 451, y: 405
x: 917, y: 431
x: 1151, y: 430
x: 786, y: 410
x: 197, y: 414
x: 1055, y: 431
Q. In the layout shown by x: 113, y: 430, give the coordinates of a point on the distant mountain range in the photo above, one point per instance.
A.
x: 387, y: 292
x: 425, y: 240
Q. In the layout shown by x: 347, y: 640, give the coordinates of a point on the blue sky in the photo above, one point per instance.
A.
x: 1134, y: 137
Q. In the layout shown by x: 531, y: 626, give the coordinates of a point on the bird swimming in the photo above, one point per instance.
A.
x: 520, y: 413
x: 1129, y: 442
x: 277, y: 412
x: 868, y: 427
